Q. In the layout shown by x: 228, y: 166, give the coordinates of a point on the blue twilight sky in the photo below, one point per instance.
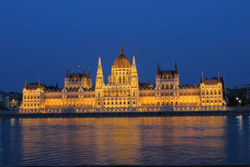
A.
x: 41, y: 38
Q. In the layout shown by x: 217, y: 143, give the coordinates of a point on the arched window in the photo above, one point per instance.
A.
x: 215, y: 92
x: 123, y: 79
x: 167, y: 87
x: 120, y: 80
x: 211, y: 92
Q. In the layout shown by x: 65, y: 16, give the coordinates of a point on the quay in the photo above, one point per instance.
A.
x: 240, y: 112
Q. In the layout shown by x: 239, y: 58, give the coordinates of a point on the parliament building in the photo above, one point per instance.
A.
x: 123, y: 92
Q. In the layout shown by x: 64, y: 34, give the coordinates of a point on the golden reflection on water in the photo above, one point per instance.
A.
x: 150, y: 140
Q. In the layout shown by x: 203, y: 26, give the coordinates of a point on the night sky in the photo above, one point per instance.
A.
x: 41, y: 38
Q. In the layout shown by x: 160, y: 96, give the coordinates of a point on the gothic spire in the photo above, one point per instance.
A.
x: 26, y: 83
x: 219, y: 76
x: 158, y: 69
x: 121, y: 50
x: 202, y: 77
x: 67, y: 73
x: 176, y: 68
x: 39, y: 83
x: 134, y: 60
x: 83, y: 71
x: 89, y: 72
x: 99, y: 62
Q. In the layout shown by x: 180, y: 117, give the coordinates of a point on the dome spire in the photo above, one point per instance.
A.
x: 121, y: 50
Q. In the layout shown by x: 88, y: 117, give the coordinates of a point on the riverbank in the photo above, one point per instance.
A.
x: 125, y: 114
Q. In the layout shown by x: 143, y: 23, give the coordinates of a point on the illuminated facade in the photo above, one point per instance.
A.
x: 123, y: 92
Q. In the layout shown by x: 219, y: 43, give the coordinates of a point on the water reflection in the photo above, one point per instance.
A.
x: 131, y: 141
x: 237, y: 140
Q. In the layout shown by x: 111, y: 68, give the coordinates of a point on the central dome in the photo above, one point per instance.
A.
x: 121, y: 61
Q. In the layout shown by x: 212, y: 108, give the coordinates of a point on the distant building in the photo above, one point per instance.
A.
x: 123, y: 91
x: 15, y: 100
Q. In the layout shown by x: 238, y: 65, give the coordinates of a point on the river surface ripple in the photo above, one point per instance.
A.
x: 127, y: 141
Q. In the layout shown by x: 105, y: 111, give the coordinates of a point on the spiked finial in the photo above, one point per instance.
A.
x: 89, y: 72
x: 83, y: 71
x: 158, y: 69
x: 134, y: 60
x: 26, y: 83
x: 121, y: 50
x: 202, y: 77
x: 39, y: 83
x: 99, y: 62
x: 56, y: 85
x: 67, y: 73
x: 176, y: 68
x: 219, y: 76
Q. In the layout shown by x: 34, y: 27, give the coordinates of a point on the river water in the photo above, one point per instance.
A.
x: 128, y: 141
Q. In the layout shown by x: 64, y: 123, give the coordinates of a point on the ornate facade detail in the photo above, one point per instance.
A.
x: 123, y: 91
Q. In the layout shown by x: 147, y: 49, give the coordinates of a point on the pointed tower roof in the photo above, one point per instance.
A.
x: 89, y: 72
x: 134, y: 60
x: 39, y: 82
x: 218, y: 75
x: 176, y: 68
x: 26, y: 83
x: 121, y: 61
x: 158, y: 68
x: 121, y: 49
x: 202, y: 76
x: 67, y: 73
x: 99, y: 62
x: 83, y: 71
